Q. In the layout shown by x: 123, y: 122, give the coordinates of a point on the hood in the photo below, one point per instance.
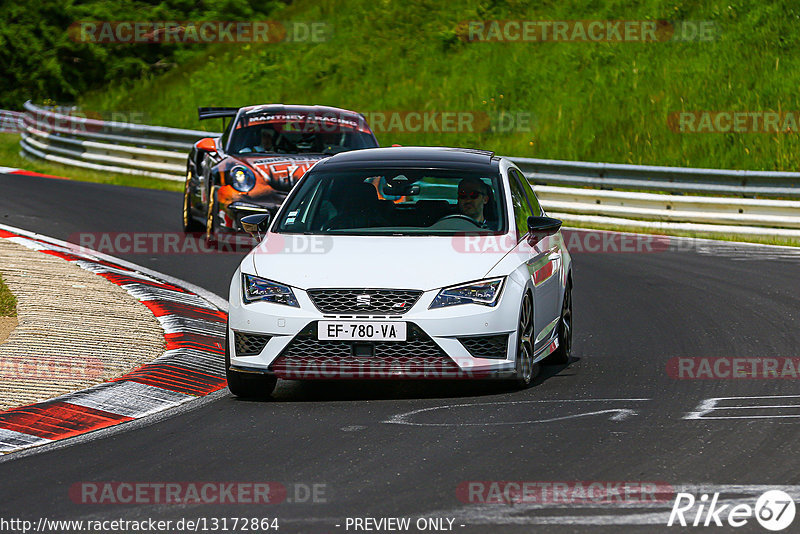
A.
x: 282, y: 171
x: 418, y: 262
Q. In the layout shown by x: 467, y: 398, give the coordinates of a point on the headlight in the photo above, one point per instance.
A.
x: 256, y: 288
x: 242, y: 178
x: 485, y: 292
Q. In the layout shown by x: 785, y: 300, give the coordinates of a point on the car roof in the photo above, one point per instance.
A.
x: 413, y: 157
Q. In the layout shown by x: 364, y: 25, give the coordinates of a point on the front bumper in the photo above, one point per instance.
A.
x: 441, y: 344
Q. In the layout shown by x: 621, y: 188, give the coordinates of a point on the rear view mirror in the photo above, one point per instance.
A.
x: 207, y: 144
x: 256, y: 225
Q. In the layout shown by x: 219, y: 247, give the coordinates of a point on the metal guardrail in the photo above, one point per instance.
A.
x: 138, y: 149
x: 665, y: 179
x: 161, y: 152
x: 11, y: 121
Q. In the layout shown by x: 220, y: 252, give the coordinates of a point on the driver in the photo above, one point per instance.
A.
x: 473, y: 194
x: 266, y: 144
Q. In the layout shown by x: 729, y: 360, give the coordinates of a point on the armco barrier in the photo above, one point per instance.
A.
x: 595, y: 197
x: 11, y: 121
x: 120, y: 147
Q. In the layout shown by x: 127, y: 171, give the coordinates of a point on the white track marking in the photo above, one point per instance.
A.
x: 620, y: 414
x: 711, y: 405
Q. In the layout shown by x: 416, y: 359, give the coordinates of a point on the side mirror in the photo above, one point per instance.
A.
x: 207, y: 144
x: 256, y: 225
x: 541, y: 227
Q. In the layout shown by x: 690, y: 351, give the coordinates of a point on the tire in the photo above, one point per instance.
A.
x: 561, y: 355
x: 211, y: 218
x: 526, y: 370
x: 189, y: 224
x: 247, y: 385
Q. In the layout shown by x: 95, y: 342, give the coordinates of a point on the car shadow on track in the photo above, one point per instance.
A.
x: 359, y: 390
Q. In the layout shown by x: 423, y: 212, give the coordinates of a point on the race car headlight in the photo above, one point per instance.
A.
x: 242, y: 178
x: 256, y: 288
x: 484, y: 292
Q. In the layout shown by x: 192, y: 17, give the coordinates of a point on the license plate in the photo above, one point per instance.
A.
x: 361, y: 331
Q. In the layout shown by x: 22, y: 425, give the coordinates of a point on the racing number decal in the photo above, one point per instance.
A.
x: 284, y: 174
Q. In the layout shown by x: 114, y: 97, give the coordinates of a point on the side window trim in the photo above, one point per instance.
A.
x: 518, y: 190
x: 523, y: 182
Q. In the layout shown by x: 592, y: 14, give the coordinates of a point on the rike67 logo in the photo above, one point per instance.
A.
x: 774, y: 510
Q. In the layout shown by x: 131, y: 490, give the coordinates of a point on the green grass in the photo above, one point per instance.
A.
x: 10, y: 157
x: 8, y: 303
x: 591, y: 101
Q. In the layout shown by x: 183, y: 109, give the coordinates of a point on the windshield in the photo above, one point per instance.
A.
x: 395, y: 202
x: 258, y: 132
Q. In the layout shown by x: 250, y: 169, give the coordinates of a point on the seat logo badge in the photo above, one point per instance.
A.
x: 362, y: 300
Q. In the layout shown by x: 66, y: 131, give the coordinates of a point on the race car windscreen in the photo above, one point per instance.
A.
x: 396, y: 202
x: 296, y: 133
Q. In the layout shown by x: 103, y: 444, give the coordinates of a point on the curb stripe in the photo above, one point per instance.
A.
x: 178, y: 380
x: 191, y: 366
x: 11, y: 440
x: 160, y: 308
x: 57, y: 419
x: 130, y: 399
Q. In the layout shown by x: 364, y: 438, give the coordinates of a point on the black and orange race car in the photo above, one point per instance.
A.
x: 261, y: 154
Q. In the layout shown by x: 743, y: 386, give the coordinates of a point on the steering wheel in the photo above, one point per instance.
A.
x: 459, y: 216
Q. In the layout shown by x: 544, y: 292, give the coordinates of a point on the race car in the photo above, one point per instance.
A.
x: 261, y: 154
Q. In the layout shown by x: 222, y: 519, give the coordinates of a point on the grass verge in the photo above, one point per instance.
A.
x: 10, y: 157
x: 8, y: 303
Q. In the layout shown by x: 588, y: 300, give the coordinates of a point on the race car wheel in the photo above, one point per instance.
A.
x: 189, y: 224
x: 246, y: 385
x: 211, y: 218
x: 561, y: 355
x: 526, y: 370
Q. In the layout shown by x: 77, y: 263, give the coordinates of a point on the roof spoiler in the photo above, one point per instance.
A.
x: 215, y: 113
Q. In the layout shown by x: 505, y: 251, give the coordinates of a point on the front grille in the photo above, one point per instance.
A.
x: 306, y: 357
x: 364, y: 301
x: 486, y: 346
x: 249, y: 344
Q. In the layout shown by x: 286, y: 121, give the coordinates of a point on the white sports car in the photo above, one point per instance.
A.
x: 402, y: 262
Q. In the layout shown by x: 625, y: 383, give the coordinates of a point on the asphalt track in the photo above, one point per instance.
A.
x: 613, y: 414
